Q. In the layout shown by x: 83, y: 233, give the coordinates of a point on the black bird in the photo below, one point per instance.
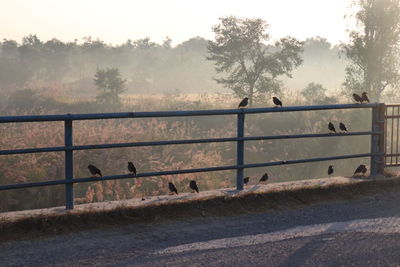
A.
x: 193, y: 186
x: 342, y: 127
x: 172, y: 188
x: 331, y: 127
x: 364, y: 170
x: 364, y: 97
x: 244, y: 102
x: 246, y: 180
x: 330, y: 170
x: 277, y: 101
x: 94, y: 170
x: 357, y: 98
x: 131, y: 168
x: 361, y: 169
x: 264, y: 178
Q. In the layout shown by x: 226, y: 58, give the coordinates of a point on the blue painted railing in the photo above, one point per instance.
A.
x: 376, y: 133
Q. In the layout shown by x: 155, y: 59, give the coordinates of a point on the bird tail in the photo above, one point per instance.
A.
x: 197, y: 190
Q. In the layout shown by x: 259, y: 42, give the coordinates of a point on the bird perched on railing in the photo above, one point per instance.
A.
x: 330, y: 170
x: 331, y: 127
x: 131, y: 168
x: 264, y: 178
x: 244, y: 102
x: 364, y: 97
x: 94, y: 170
x: 276, y: 101
x: 193, y: 186
x: 361, y: 169
x: 246, y: 179
x: 172, y: 188
x: 342, y: 127
x: 357, y: 98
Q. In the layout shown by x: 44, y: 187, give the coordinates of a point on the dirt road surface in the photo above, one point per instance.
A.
x: 363, y: 232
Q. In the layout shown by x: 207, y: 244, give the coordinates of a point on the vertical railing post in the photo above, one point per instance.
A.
x: 69, y: 165
x: 240, y: 151
x: 378, y: 140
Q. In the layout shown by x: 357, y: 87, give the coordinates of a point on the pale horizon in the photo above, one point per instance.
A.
x: 114, y: 22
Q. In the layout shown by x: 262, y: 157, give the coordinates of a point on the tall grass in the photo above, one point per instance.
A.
x: 49, y: 166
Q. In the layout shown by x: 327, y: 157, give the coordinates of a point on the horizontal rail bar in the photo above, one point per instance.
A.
x: 392, y: 165
x: 184, y: 113
x: 392, y: 105
x: 178, y: 142
x: 392, y: 155
x: 392, y: 117
x: 33, y: 150
x: 162, y: 173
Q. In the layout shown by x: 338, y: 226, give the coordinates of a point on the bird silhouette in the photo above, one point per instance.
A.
x: 364, y: 97
x: 364, y: 170
x: 357, y: 98
x: 342, y: 127
x: 361, y: 169
x: 246, y: 180
x: 244, y: 102
x: 276, y: 101
x: 264, y: 178
x: 131, y: 168
x: 331, y: 127
x: 330, y: 170
x: 172, y: 188
x: 193, y: 186
x: 94, y: 170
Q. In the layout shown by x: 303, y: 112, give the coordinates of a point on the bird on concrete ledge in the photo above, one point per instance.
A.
x: 264, y: 178
x: 193, y: 186
x: 330, y: 170
x: 172, y: 188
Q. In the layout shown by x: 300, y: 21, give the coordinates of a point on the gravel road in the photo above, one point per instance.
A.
x: 363, y: 232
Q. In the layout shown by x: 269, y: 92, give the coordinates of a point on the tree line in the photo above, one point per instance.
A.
x: 242, y: 58
x: 251, y: 64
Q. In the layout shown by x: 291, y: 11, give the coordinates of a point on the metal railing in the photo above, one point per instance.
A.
x: 392, y: 122
x: 376, y: 133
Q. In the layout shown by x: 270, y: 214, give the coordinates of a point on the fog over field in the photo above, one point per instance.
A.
x: 112, y: 56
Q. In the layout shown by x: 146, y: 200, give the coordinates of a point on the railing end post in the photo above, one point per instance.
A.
x: 378, y: 140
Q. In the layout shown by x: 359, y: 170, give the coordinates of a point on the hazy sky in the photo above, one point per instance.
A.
x: 115, y: 21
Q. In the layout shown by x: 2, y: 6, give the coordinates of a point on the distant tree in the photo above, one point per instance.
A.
x: 317, y: 48
x: 315, y: 93
x: 240, y: 51
x: 55, y: 57
x: 167, y: 43
x: 144, y: 43
x: 196, y: 44
x: 111, y: 84
x: 374, y: 48
x: 31, y: 61
x: 10, y: 67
